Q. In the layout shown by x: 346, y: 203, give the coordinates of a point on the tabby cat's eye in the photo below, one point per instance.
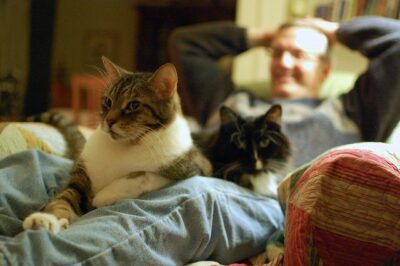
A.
x: 238, y: 140
x: 132, y: 106
x: 107, y: 102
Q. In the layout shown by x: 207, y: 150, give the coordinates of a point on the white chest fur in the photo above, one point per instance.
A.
x: 107, y: 160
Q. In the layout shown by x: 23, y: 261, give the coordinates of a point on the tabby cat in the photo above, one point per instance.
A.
x: 143, y: 143
x: 250, y: 151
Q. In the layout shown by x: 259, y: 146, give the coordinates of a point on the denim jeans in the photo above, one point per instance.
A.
x: 195, y: 219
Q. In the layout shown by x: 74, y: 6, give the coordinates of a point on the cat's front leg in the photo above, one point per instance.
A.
x: 131, y: 186
x: 45, y: 220
x: 58, y: 213
x: 106, y: 197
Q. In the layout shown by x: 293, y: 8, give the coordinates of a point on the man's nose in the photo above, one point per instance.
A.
x: 287, y: 60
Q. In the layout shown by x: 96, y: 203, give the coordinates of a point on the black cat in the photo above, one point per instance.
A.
x: 250, y: 151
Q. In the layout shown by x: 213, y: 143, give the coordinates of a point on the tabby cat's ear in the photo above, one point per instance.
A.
x: 165, y: 81
x: 227, y: 115
x: 274, y: 114
x: 114, y: 72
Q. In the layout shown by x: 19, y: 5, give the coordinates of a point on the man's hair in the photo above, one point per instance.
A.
x: 296, y: 23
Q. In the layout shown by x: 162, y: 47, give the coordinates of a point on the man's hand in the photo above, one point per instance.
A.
x: 259, y: 37
x: 262, y: 37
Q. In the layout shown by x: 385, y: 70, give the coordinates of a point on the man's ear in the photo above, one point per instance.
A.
x: 326, y: 70
x: 114, y: 72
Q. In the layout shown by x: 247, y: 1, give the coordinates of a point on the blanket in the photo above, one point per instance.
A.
x: 343, y: 208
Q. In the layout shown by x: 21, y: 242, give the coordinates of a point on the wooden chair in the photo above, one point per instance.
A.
x: 86, y: 96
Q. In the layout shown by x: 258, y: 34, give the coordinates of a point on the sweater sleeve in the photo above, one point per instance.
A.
x: 373, y: 103
x: 195, y: 51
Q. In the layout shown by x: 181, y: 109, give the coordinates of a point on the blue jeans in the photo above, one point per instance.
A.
x: 196, y: 219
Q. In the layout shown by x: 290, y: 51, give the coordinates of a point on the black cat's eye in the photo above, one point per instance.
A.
x: 132, y: 106
x: 107, y: 102
x: 238, y: 140
x: 264, y: 142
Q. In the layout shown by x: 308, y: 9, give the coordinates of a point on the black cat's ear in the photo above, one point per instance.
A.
x: 113, y: 71
x: 227, y: 115
x: 274, y: 114
x: 165, y: 81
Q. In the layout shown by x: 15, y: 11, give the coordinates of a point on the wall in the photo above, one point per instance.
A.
x: 252, y: 66
x: 14, y: 47
x: 86, y: 28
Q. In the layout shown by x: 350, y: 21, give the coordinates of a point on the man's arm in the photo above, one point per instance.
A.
x: 195, y: 51
x: 373, y: 104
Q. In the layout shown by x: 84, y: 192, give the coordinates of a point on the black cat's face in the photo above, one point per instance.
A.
x: 246, y: 146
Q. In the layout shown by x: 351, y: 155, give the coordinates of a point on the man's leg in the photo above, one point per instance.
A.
x: 196, y: 219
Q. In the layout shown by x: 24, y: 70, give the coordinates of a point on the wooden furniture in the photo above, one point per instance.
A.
x: 86, y: 96
x: 157, y: 18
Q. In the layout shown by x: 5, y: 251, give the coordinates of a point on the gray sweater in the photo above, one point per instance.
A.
x: 369, y: 112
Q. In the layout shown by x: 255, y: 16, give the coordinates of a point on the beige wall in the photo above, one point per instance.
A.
x: 81, y: 28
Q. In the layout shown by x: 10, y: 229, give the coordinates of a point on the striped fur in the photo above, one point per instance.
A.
x: 68, y: 129
x: 143, y: 143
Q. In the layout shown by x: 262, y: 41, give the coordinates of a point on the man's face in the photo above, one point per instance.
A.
x: 297, y: 70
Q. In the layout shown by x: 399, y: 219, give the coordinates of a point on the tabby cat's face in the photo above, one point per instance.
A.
x: 139, y: 103
x: 246, y: 146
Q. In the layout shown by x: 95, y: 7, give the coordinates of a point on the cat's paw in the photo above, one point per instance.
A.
x: 45, y: 220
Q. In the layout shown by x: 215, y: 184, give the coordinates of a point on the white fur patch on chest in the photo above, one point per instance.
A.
x: 107, y: 160
x: 129, y: 187
x: 265, y: 184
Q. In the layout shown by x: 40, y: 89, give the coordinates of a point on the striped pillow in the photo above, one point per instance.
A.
x: 344, y: 208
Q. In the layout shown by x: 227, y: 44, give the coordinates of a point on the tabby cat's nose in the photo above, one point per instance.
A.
x: 111, y: 122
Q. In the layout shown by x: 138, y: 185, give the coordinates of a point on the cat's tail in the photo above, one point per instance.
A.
x: 70, y: 131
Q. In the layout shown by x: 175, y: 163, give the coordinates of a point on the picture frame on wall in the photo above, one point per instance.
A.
x: 98, y: 43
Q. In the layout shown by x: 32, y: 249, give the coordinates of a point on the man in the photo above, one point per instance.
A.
x: 299, y: 66
x: 300, y: 59
x: 206, y: 218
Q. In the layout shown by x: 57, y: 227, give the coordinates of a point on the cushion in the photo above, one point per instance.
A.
x: 338, y: 82
x: 344, y: 208
x: 19, y: 136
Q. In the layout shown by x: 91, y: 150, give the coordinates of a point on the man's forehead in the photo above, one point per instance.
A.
x: 303, y: 38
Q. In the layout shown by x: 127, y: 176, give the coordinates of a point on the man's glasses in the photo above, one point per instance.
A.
x: 297, y: 54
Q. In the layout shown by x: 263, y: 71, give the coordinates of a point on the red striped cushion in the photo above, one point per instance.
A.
x: 344, y: 210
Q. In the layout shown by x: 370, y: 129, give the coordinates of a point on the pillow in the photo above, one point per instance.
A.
x: 19, y: 136
x: 344, y: 208
x: 338, y: 82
